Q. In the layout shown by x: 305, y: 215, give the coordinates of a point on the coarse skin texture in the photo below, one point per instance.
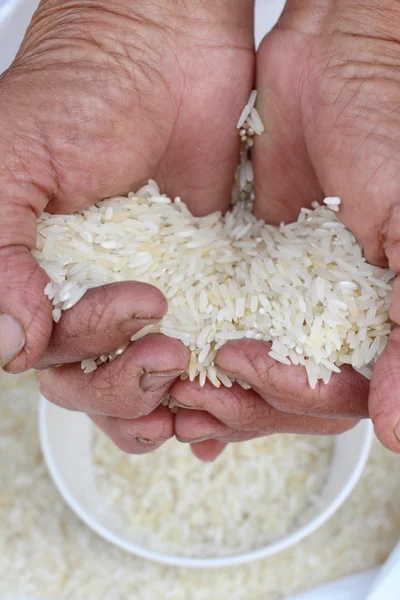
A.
x: 121, y: 86
x: 328, y: 83
x: 332, y: 127
x: 99, y: 98
x: 303, y: 52
x: 50, y: 553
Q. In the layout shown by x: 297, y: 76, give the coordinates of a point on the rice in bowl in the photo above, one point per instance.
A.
x: 254, y: 494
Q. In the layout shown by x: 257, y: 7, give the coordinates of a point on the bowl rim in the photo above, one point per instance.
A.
x: 202, y: 563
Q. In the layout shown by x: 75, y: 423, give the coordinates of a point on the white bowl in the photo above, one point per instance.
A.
x: 66, y: 439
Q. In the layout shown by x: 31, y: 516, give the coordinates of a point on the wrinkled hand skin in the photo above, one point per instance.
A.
x: 329, y: 95
x: 101, y: 97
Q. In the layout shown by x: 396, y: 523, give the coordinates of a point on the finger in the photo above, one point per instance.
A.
x: 105, y: 318
x: 198, y: 427
x: 384, y: 399
x: 23, y: 197
x: 25, y: 312
x: 139, y: 436
x: 208, y: 450
x: 284, y: 177
x: 287, y: 388
x: 235, y: 411
x: 205, y: 151
x: 394, y: 312
x: 129, y: 387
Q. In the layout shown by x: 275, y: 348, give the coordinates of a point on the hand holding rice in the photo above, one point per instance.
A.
x: 304, y: 287
x: 94, y: 138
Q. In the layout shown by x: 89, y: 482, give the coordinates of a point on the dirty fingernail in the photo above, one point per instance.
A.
x: 146, y: 441
x: 12, y: 339
x: 152, y: 442
x: 152, y: 382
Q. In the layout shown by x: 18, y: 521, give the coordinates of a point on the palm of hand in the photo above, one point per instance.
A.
x: 331, y: 109
x: 111, y: 111
x: 329, y: 99
x: 131, y: 109
x: 105, y: 112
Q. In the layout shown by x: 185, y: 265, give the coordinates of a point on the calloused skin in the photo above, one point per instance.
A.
x: 114, y: 98
x: 329, y: 95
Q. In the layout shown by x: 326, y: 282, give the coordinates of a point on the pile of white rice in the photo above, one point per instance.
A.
x: 252, y: 495
x: 305, y: 286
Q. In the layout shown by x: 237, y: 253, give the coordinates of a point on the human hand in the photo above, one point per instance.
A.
x: 328, y: 87
x: 279, y: 401
x: 332, y: 128
x: 98, y: 101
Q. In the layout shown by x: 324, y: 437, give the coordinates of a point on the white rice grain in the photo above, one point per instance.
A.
x: 304, y: 286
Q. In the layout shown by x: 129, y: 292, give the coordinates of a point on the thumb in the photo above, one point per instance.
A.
x: 384, y: 397
x: 25, y: 312
x: 284, y: 177
x: 384, y: 405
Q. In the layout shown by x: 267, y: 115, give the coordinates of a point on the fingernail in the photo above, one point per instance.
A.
x: 146, y: 441
x: 194, y: 441
x: 152, y: 382
x: 151, y: 442
x: 12, y: 339
x: 180, y: 404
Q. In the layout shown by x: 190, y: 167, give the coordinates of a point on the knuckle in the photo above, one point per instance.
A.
x: 272, y: 378
x: 259, y: 368
x: 114, y: 390
x: 244, y: 411
x: 101, y: 309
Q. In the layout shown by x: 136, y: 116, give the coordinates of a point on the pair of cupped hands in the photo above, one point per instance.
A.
x: 105, y: 95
